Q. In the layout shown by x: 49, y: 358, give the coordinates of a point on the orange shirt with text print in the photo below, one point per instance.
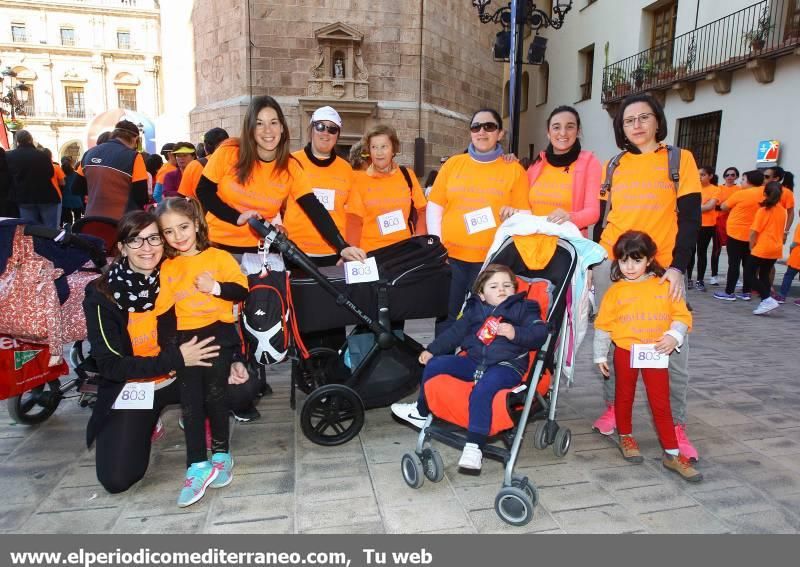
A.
x: 143, y: 332
x: 552, y: 190
x: 769, y: 224
x: 743, y: 207
x: 709, y: 218
x: 193, y: 308
x: 332, y: 186
x: 379, y: 194
x: 464, y: 186
x: 639, y: 312
x: 265, y: 191
x: 643, y: 198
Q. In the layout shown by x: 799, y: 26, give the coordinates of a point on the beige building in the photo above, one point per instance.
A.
x: 421, y: 66
x: 80, y: 58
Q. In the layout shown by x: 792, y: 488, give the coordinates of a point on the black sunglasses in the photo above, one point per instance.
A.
x: 487, y: 126
x: 321, y: 127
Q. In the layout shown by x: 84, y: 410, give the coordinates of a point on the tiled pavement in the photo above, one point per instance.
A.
x: 744, y: 407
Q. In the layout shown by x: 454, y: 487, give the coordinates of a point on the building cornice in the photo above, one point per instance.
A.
x: 43, y: 48
x: 128, y: 11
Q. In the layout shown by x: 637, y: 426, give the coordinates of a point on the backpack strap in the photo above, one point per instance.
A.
x: 605, y: 188
x: 674, y: 164
x: 410, y: 221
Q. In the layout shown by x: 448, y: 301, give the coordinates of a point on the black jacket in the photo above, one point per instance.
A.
x: 530, y: 332
x: 31, y: 172
x: 107, y: 330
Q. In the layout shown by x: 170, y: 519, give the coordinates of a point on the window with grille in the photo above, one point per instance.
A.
x: 18, y: 33
x: 587, y: 64
x: 76, y: 107
x: 126, y: 98
x: 123, y: 40
x: 663, y: 34
x: 700, y: 135
x: 792, y: 19
x: 30, y: 105
x: 67, y: 37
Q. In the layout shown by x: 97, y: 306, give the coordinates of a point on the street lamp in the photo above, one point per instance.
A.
x: 513, y: 17
x: 14, y: 101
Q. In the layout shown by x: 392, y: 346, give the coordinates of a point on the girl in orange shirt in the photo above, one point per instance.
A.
x: 637, y: 310
x: 792, y: 268
x: 730, y: 176
x: 708, y: 208
x: 766, y: 245
x: 200, y: 283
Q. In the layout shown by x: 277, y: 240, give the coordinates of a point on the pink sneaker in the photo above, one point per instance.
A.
x: 606, y: 423
x: 158, y: 431
x: 684, y: 445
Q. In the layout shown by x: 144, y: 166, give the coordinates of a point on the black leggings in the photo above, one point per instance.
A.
x: 738, y: 253
x: 703, y: 239
x: 716, y: 250
x: 759, y: 269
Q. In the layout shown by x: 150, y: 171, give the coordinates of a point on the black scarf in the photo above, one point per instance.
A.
x: 563, y: 160
x: 133, y: 292
x: 318, y: 161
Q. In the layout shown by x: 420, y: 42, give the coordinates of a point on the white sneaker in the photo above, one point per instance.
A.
x: 713, y: 281
x: 409, y: 413
x: 471, y: 457
x: 766, y: 306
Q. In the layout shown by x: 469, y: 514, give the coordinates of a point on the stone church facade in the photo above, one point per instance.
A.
x: 421, y: 66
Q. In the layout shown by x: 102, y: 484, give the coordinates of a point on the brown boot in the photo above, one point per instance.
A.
x: 682, y: 466
x: 630, y: 449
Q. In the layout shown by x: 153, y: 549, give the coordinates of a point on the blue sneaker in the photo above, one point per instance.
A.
x: 744, y: 296
x: 724, y: 296
x: 223, y: 462
x: 198, y: 477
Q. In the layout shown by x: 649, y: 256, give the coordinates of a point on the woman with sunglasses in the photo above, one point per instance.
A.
x: 465, y: 203
x: 123, y: 335
x: 252, y: 177
x: 643, y: 197
x: 727, y: 189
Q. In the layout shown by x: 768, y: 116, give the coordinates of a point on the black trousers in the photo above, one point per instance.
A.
x: 759, y: 269
x: 738, y: 253
x: 703, y: 239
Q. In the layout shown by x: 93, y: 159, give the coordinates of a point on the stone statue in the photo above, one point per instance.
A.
x: 361, y: 69
x: 338, y: 69
x: 319, y: 64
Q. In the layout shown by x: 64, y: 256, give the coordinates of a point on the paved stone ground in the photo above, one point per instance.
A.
x: 744, y: 407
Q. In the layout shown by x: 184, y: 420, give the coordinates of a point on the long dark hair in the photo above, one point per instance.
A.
x: 248, y: 150
x: 621, y: 138
x: 772, y: 194
x: 637, y: 245
x: 192, y: 210
x: 564, y: 108
x: 710, y: 171
x: 130, y: 225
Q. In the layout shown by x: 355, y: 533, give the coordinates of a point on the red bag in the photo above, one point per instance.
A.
x: 23, y: 367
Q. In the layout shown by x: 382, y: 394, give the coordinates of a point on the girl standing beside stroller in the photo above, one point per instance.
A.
x: 201, y: 283
x: 637, y: 310
x: 497, y: 329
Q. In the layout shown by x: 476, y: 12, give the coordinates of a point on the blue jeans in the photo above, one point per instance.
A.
x: 495, y: 378
x: 788, y: 278
x: 463, y: 276
x: 48, y: 214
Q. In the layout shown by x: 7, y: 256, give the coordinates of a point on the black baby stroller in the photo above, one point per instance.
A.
x: 512, y: 409
x: 414, y: 283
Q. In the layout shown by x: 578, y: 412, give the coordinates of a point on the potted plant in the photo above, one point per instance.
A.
x: 643, y: 72
x: 757, y: 37
x: 666, y: 73
x: 617, y: 83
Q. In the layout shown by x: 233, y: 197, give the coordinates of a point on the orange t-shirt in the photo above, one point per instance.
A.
x: 264, y: 192
x: 769, y: 224
x: 375, y: 195
x: 193, y: 308
x: 58, y: 178
x: 190, y: 179
x: 643, y: 198
x: 709, y: 218
x: 464, y: 186
x: 743, y: 207
x: 163, y: 170
x: 143, y: 331
x: 725, y: 192
x: 639, y: 312
x: 794, y: 253
x: 552, y: 190
x: 332, y: 186
x: 787, y: 199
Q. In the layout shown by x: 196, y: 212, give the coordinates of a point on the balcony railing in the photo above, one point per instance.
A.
x: 766, y: 29
x: 76, y: 112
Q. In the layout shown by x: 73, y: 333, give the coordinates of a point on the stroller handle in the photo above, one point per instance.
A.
x: 272, y: 236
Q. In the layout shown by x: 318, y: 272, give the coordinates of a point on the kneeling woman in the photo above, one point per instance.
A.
x: 122, y: 332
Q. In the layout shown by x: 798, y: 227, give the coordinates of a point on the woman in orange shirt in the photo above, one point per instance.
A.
x: 387, y: 204
x: 721, y: 235
x: 710, y: 197
x: 766, y: 245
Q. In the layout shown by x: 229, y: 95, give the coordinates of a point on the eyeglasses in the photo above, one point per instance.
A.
x: 642, y: 118
x: 137, y: 241
x: 321, y: 127
x: 487, y: 127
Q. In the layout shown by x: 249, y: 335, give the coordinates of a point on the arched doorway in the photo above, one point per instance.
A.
x: 72, y: 149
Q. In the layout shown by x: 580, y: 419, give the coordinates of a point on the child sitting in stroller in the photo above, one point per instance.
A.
x: 497, y: 328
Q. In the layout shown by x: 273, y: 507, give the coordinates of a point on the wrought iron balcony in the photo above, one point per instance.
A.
x: 763, y: 31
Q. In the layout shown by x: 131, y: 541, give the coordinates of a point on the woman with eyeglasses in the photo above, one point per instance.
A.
x: 464, y: 206
x: 123, y: 334
x: 565, y: 180
x: 252, y: 177
x: 643, y: 197
x: 387, y: 204
x: 728, y: 187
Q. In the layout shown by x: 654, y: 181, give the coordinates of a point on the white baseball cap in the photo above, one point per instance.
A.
x: 327, y: 113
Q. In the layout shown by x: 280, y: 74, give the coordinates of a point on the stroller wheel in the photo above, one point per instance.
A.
x: 317, y: 370
x: 514, y: 506
x: 562, y: 442
x: 524, y: 484
x: 434, y: 465
x: 540, y: 435
x: 36, y: 405
x: 411, y: 466
x: 332, y: 415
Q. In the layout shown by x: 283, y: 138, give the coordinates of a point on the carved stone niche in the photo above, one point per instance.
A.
x: 338, y: 71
